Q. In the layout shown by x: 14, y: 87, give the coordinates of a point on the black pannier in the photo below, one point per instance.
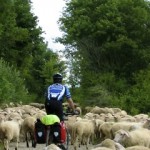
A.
x: 40, y: 132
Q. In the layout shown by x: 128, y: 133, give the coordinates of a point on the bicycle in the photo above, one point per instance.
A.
x: 50, y: 135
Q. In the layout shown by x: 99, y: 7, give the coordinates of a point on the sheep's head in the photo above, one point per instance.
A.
x: 121, y: 135
x: 147, y: 124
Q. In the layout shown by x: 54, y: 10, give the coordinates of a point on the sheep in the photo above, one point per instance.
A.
x: 141, y: 117
x: 126, y: 118
x: 108, y: 143
x: 52, y: 147
x: 105, y: 129
x: 88, y: 109
x: 79, y: 110
x: 82, y: 130
x: 137, y: 148
x: 136, y: 137
x: 122, y: 125
x: 27, y: 128
x: 101, y: 148
x: 98, y: 110
x: 9, y: 130
x: 109, y: 118
x: 146, y: 124
x: 98, y: 122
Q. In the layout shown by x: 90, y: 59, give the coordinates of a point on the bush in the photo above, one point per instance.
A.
x: 11, y: 84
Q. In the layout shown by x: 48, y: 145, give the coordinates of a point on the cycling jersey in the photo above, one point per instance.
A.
x: 57, y: 92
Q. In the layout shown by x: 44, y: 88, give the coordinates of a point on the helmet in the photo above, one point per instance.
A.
x: 57, y: 78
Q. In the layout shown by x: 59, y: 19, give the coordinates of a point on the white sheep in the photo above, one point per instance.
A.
x: 9, y: 130
x: 82, y: 131
x: 52, y: 147
x: 141, y: 117
x: 108, y: 143
x: 137, y: 148
x: 27, y: 129
x: 105, y: 129
x: 136, y: 137
x: 101, y: 148
x: 123, y: 125
x: 99, y: 110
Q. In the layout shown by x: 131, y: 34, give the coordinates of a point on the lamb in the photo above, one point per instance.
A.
x: 9, y: 130
x: 136, y: 137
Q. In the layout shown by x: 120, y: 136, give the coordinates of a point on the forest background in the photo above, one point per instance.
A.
x: 107, y: 50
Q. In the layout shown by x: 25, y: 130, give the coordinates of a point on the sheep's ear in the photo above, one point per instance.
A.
x: 148, y: 119
x: 126, y: 134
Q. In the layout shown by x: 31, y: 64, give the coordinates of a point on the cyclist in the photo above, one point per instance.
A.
x: 55, y: 95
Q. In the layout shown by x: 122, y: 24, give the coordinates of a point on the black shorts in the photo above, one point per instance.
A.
x: 54, y: 107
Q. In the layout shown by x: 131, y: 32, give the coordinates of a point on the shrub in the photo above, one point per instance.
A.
x: 11, y: 84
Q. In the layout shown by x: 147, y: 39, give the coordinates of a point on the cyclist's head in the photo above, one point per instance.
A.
x: 57, y: 78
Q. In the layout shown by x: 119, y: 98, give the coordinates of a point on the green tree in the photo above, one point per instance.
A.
x: 22, y: 45
x: 110, y: 37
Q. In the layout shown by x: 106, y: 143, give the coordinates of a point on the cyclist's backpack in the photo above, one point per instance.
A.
x: 39, y: 132
x: 56, y: 92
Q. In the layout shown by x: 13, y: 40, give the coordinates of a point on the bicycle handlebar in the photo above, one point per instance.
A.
x: 68, y: 113
x: 71, y: 113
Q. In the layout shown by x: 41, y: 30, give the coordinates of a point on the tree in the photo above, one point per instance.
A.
x: 22, y: 45
x: 109, y: 36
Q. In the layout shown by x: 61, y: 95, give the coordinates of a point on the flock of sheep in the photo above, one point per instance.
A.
x: 105, y: 128
x: 112, y: 128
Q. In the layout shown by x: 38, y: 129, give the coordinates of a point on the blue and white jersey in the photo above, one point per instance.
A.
x: 57, y: 92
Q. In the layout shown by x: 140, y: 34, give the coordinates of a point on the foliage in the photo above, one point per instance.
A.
x: 22, y: 46
x: 11, y: 85
x: 137, y: 99
x: 110, y: 41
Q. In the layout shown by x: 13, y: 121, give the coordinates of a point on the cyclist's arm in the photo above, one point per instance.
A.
x: 71, y: 104
x: 69, y: 99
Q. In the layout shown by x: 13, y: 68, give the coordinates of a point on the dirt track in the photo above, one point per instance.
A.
x: 22, y: 146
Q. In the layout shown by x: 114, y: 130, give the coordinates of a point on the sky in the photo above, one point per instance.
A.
x: 48, y: 13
